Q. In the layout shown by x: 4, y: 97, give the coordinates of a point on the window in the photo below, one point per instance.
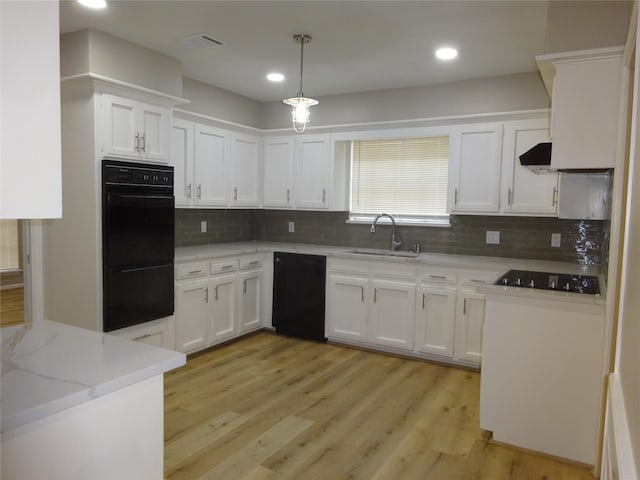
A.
x: 9, y: 245
x: 404, y: 177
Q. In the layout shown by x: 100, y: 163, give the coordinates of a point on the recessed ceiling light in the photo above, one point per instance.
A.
x: 446, y: 53
x: 93, y: 3
x: 275, y: 77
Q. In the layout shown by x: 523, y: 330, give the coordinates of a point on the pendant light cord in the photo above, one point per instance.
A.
x: 302, y: 40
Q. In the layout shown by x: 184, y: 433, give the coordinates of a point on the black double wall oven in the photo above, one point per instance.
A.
x: 138, y: 243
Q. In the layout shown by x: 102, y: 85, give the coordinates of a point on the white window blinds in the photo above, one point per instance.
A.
x: 9, y: 245
x: 406, y: 177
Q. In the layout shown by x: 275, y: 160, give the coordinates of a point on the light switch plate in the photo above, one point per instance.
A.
x: 493, y: 237
x: 556, y: 239
x: 292, y: 227
x: 203, y: 226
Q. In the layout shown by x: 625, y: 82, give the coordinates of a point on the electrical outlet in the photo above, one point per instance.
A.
x: 203, y: 226
x: 556, y: 239
x: 493, y: 237
x: 292, y: 227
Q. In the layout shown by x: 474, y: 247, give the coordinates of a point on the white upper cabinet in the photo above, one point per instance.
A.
x: 474, y: 174
x: 313, y: 162
x: 278, y: 173
x: 182, y: 160
x: 245, y: 171
x: 525, y: 192
x: 135, y: 130
x: 211, y: 152
x: 585, y: 102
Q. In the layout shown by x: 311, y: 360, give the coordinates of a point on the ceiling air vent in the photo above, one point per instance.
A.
x: 202, y: 40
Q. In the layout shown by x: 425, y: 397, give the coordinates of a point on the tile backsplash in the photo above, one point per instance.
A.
x: 582, y: 241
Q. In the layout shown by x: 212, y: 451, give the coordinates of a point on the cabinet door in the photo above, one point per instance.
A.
x: 475, y: 168
x: 211, y: 146
x: 121, y: 137
x: 313, y: 165
x: 346, y: 308
x: 249, y: 300
x: 222, y: 307
x: 182, y: 160
x: 523, y: 191
x: 469, y: 322
x: 245, y: 166
x: 158, y: 333
x: 191, y: 315
x: 392, y: 314
x: 435, y: 319
x: 154, y: 133
x: 278, y: 173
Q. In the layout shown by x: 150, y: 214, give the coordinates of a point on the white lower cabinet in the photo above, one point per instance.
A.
x: 391, y: 315
x: 159, y: 333
x: 435, y: 318
x: 469, y: 323
x: 346, y: 307
x: 217, y: 301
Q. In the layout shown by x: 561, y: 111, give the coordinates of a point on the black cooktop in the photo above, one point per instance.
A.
x: 551, y: 281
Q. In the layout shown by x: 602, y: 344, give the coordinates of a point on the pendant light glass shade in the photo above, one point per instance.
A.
x: 300, y: 104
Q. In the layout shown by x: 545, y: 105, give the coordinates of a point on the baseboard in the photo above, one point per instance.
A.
x: 617, y: 457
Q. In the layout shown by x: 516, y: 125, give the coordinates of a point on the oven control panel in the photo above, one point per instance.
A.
x: 551, y: 281
x: 120, y: 173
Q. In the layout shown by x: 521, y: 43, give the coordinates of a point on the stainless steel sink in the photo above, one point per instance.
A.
x: 383, y: 253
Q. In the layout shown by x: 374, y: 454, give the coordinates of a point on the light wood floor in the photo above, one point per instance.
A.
x: 273, y: 408
x: 11, y: 307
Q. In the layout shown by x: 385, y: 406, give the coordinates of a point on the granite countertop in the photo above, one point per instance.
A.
x: 48, y: 367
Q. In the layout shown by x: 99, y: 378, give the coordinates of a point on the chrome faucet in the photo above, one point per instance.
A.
x: 394, y: 244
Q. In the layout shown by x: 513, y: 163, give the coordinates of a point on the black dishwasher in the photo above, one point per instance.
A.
x: 298, y: 295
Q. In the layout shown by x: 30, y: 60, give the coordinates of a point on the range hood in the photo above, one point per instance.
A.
x: 537, y: 158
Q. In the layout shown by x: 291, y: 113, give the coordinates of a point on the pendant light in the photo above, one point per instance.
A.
x: 300, y: 104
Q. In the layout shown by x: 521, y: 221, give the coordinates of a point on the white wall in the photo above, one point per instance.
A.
x: 486, y: 95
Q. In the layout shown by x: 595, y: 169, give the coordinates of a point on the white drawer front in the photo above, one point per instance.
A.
x: 191, y: 270
x: 223, y: 266
x: 250, y: 262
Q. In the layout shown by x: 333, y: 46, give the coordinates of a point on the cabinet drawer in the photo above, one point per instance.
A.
x: 191, y: 270
x: 354, y: 267
x: 250, y: 262
x: 223, y: 266
x: 478, y: 277
x: 439, y: 275
x: 393, y: 270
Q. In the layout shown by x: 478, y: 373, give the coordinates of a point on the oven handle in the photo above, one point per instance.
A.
x: 136, y: 269
x: 144, y: 197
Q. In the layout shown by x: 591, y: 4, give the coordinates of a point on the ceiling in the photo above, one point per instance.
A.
x: 357, y: 45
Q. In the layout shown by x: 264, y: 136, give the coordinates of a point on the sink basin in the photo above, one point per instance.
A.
x: 383, y: 253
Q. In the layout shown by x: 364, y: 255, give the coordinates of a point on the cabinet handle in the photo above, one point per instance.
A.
x: 235, y: 194
x: 362, y: 294
x: 193, y: 272
x: 199, y: 192
x: 244, y: 287
x: 455, y: 196
x: 473, y: 280
x: 423, y: 299
x: 226, y: 267
x: 206, y: 295
x: 288, y: 195
x: 324, y: 196
x: 554, y: 198
x: 375, y: 295
x: 136, y: 146
x: 438, y: 277
x: 142, y: 337
x: 144, y: 142
x: 509, y: 197
x: 189, y: 191
x: 257, y: 262
x: 464, y: 307
x: 216, y: 293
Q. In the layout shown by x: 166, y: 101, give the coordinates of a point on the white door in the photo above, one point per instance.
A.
x: 191, y: 315
x: 312, y: 166
x: 392, y: 314
x: 475, y: 168
x: 182, y: 160
x: 121, y: 137
x: 222, y: 309
x: 245, y: 159
x: 249, y: 300
x: 154, y: 125
x: 469, y: 322
x: 346, y: 308
x: 278, y: 173
x: 211, y: 147
x: 435, y: 319
x: 525, y: 192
